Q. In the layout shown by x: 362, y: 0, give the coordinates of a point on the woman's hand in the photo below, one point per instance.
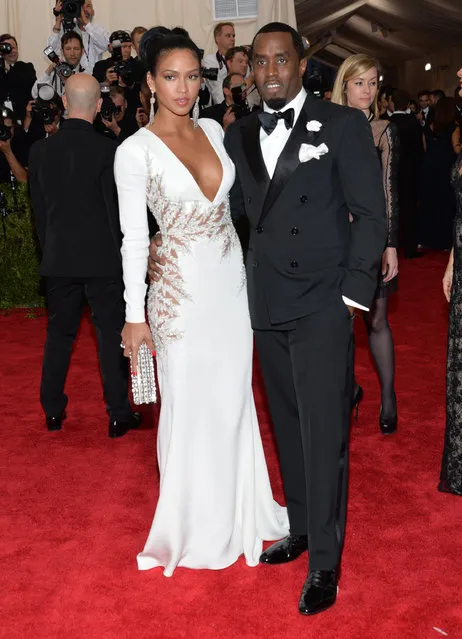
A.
x: 133, y: 335
x: 448, y: 275
x: 155, y: 261
x: 389, y: 264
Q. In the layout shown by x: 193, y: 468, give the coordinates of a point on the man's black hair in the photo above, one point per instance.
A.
x: 281, y: 27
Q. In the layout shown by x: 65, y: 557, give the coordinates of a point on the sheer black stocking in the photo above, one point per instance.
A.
x: 383, y: 352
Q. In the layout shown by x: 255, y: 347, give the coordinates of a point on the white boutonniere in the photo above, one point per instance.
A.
x: 309, y: 152
x: 314, y: 125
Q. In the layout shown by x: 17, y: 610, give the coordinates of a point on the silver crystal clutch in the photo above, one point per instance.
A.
x: 144, y: 382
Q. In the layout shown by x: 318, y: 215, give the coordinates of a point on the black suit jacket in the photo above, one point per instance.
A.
x: 75, y: 202
x: 215, y: 112
x: 17, y: 85
x: 303, y: 252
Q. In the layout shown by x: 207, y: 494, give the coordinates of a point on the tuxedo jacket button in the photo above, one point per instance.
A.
x: 294, y: 264
x: 303, y: 199
x: 259, y: 229
x: 254, y: 264
x: 294, y: 230
x: 249, y: 199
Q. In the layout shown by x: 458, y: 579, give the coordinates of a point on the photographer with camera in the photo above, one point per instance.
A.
x: 233, y: 106
x: 114, y: 121
x: 44, y: 116
x: 116, y: 68
x: 13, y: 148
x: 215, y: 63
x: 16, y: 78
x: 237, y: 61
x: 59, y: 71
x: 77, y: 15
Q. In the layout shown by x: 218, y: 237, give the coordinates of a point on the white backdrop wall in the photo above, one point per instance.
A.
x: 31, y: 20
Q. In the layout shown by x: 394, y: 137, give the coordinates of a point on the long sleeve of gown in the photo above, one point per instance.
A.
x: 389, y: 147
x: 131, y: 178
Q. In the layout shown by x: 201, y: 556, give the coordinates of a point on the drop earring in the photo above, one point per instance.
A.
x: 196, y: 113
x: 153, y: 101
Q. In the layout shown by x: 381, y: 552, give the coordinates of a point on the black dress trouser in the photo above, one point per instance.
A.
x: 66, y: 300
x: 308, y: 374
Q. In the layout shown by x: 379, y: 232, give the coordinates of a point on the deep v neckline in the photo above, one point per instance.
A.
x: 214, y: 148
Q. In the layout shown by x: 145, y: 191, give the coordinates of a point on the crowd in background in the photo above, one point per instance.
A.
x: 32, y: 108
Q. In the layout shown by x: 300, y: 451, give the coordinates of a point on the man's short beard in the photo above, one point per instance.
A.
x: 276, y: 103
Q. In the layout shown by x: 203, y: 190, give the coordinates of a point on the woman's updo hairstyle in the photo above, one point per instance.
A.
x: 159, y: 40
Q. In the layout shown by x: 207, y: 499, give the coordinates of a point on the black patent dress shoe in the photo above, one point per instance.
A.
x: 285, y: 550
x: 55, y: 423
x: 319, y: 592
x: 119, y: 429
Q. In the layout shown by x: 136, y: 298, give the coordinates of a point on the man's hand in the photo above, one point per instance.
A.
x: 228, y: 118
x: 50, y: 68
x: 141, y: 117
x: 133, y: 335
x: 5, y: 147
x: 112, y: 125
x: 389, y: 264
x: 59, y: 18
x: 84, y: 18
x: 155, y: 261
x: 111, y: 76
x: 448, y: 276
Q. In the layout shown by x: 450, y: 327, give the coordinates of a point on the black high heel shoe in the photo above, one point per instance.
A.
x: 389, y: 425
x: 358, y: 396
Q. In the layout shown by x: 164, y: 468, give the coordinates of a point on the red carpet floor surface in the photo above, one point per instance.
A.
x: 77, y: 507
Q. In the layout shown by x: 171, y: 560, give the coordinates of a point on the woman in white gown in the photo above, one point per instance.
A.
x: 215, y: 499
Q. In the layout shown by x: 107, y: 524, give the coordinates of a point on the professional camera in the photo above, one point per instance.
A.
x: 63, y: 69
x: 5, y: 133
x: 125, y: 69
x: 239, y: 106
x: 5, y: 48
x: 208, y: 74
x: 70, y: 11
x: 108, y: 108
x: 43, y: 107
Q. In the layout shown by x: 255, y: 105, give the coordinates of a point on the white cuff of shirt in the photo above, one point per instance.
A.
x: 349, y: 302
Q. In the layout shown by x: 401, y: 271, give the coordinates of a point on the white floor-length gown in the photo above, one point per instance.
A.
x: 215, y: 499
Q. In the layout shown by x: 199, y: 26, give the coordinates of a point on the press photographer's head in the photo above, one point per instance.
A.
x: 237, y: 60
x: 120, y: 46
x: 117, y: 96
x: 235, y: 94
x: 224, y: 36
x: 48, y: 109
x: 136, y: 35
x: 9, y: 48
x: 72, y: 48
x: 174, y: 64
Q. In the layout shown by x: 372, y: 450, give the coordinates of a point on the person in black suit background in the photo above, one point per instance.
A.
x: 410, y: 159
x: 301, y: 166
x: 76, y: 212
x: 16, y: 79
x: 225, y: 112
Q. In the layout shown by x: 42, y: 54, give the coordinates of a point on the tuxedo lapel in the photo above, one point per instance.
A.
x: 287, y: 163
x: 252, y: 149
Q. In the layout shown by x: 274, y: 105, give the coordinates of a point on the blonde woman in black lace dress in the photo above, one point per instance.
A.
x: 451, y: 468
x: 356, y: 86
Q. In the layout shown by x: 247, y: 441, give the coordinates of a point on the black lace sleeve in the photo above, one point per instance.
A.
x: 389, y: 148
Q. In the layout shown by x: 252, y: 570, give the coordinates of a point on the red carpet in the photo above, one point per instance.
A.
x: 77, y: 507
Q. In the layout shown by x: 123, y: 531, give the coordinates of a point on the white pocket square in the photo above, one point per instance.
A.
x: 314, y: 125
x: 309, y: 152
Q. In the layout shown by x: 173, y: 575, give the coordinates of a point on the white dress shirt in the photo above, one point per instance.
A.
x: 215, y: 86
x: 95, y: 43
x: 273, y: 144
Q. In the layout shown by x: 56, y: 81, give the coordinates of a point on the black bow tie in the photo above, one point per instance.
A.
x: 269, y: 121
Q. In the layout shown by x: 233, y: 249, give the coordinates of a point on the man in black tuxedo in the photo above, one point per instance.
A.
x: 75, y: 205
x: 16, y: 79
x: 302, y: 165
x: 410, y: 157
